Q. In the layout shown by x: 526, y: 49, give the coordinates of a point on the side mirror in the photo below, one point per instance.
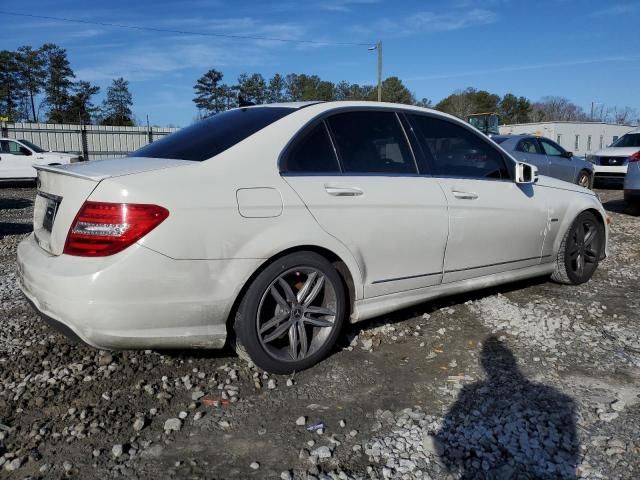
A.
x: 25, y: 151
x: 567, y: 154
x: 526, y: 173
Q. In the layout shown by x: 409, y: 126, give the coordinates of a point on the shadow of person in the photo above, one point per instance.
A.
x: 508, y: 427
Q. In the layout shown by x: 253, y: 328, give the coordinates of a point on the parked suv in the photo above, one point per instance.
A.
x: 17, y: 158
x: 610, y: 164
x: 550, y: 158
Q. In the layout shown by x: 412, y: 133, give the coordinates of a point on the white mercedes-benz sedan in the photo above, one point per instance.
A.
x: 272, y: 226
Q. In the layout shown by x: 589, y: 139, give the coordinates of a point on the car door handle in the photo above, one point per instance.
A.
x: 464, y: 195
x: 343, y: 191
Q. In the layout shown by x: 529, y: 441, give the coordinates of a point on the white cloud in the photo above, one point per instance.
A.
x: 615, y: 10
x: 529, y: 66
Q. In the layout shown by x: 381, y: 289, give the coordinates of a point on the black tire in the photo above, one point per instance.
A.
x: 584, y: 179
x: 582, y: 243
x: 273, y: 352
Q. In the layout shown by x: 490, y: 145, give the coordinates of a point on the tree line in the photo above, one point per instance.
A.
x: 212, y: 95
x: 38, y: 84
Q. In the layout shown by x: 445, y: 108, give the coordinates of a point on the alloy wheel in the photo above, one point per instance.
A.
x: 584, y: 248
x: 296, y: 314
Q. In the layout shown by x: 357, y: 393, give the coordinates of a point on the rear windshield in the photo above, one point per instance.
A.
x: 213, y: 135
x: 628, y: 140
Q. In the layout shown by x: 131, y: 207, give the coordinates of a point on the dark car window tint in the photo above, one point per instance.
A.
x: 550, y: 148
x: 313, y: 153
x: 528, y: 145
x: 371, y: 142
x: 628, y: 140
x: 457, y: 151
x: 214, y: 135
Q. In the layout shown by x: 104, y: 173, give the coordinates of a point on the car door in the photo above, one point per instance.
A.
x: 529, y: 150
x: 495, y: 224
x: 15, y: 160
x: 356, y: 173
x: 561, y: 164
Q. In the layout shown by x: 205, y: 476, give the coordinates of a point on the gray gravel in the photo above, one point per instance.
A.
x: 533, y: 380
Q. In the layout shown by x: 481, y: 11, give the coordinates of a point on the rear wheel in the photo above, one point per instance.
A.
x: 584, y: 179
x: 292, y: 314
x: 580, y: 250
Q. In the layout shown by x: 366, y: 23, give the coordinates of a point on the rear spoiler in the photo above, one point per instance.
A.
x: 59, y: 169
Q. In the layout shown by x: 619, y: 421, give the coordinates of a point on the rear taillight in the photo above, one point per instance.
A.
x: 635, y: 157
x: 102, y: 229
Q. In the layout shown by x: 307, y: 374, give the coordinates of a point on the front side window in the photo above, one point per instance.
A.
x: 214, y: 135
x: 15, y: 148
x: 371, y: 142
x: 313, y: 153
x: 456, y: 151
x: 551, y: 149
x: 528, y: 145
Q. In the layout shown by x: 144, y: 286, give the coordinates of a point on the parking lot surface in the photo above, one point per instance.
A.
x: 529, y: 380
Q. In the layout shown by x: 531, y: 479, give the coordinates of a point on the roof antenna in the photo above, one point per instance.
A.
x: 242, y: 102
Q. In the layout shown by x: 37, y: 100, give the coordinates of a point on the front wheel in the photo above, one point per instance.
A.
x: 584, y: 179
x: 292, y: 314
x: 580, y: 250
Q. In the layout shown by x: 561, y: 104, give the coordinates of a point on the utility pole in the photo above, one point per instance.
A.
x: 378, y: 47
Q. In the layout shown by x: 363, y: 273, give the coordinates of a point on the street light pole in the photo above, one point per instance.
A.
x: 378, y: 47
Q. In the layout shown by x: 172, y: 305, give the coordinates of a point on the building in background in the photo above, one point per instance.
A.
x: 581, y: 138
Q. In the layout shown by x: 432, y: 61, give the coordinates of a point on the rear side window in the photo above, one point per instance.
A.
x: 458, y: 152
x: 313, y: 153
x: 214, y: 135
x: 371, y: 142
x: 528, y: 145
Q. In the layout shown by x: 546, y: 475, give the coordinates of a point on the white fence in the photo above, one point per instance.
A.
x: 93, y: 142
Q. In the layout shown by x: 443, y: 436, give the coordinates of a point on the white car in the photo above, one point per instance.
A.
x: 19, y: 157
x: 610, y: 164
x: 271, y: 226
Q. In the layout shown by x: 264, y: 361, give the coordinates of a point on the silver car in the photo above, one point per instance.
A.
x: 632, y: 180
x: 550, y: 158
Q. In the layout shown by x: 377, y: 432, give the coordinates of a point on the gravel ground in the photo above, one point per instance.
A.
x: 532, y: 380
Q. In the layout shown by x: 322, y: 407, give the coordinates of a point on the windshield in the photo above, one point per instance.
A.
x: 628, y: 140
x: 213, y: 135
x: 32, y: 146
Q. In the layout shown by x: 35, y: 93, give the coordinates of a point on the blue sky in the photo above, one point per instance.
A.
x: 582, y: 49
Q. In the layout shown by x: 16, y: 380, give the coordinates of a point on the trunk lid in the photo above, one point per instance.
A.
x: 63, y: 189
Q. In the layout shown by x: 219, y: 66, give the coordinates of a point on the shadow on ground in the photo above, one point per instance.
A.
x: 13, y: 228
x: 507, y: 427
x: 15, y: 203
x: 620, y: 206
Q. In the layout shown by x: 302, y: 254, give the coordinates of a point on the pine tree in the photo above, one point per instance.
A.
x: 81, y: 109
x: 212, y: 96
x: 31, y: 64
x: 10, y: 87
x: 116, y: 107
x: 58, y: 82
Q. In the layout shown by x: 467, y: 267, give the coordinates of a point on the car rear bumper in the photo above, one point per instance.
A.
x: 135, y: 299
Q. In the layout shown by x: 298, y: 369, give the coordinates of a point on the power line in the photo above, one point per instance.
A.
x: 186, y: 32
